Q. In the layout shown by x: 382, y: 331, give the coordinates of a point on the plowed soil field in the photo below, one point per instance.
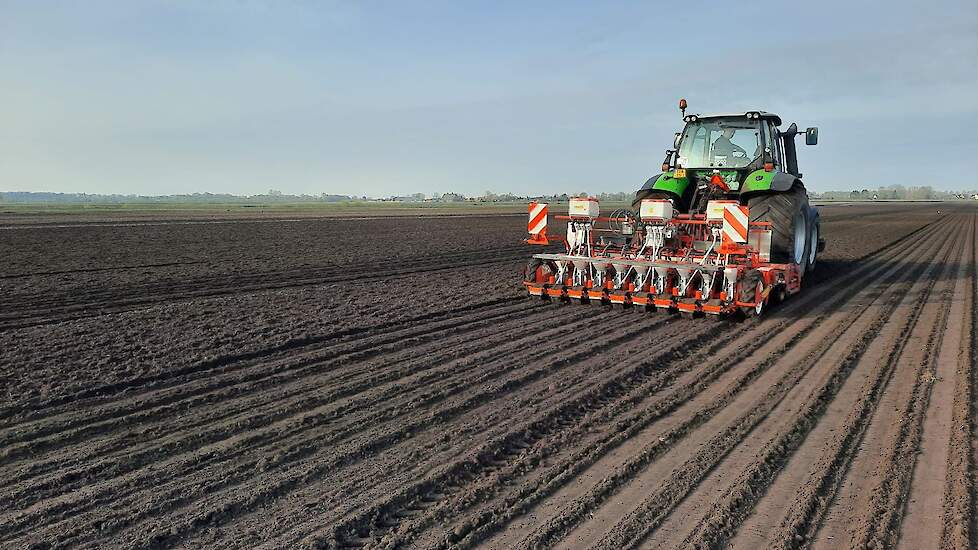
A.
x: 384, y: 382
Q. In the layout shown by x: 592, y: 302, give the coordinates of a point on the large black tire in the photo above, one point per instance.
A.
x: 789, y: 215
x: 814, y: 234
x: 651, y: 194
x: 752, y: 282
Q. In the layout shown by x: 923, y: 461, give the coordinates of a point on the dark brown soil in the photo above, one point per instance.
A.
x: 385, y: 382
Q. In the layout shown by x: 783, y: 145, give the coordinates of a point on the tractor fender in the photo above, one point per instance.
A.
x: 663, y: 185
x: 775, y: 180
x: 650, y: 183
x: 667, y: 182
x: 783, y: 181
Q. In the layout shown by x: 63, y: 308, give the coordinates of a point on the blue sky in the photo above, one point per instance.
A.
x: 381, y: 98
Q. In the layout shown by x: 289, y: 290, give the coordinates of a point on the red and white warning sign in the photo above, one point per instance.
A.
x: 538, y: 218
x: 735, y: 223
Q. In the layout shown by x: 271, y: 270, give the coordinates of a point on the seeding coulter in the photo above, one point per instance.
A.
x: 717, y: 232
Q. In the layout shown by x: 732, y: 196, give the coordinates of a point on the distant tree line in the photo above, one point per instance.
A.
x: 272, y: 195
x: 894, y: 192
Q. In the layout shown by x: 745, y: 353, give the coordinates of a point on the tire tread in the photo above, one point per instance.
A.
x: 779, y: 209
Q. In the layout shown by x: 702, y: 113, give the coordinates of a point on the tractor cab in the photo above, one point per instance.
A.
x: 725, y: 143
x: 727, y: 157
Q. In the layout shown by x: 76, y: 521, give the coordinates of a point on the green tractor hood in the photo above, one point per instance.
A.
x: 756, y: 181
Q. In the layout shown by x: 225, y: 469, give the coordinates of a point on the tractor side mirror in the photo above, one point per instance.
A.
x: 811, y: 136
x: 675, y: 140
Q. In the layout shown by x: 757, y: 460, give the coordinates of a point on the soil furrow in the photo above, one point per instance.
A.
x: 496, y: 454
x: 247, y: 385
x: 934, y: 489
x: 251, y: 374
x: 302, y: 399
x: 788, y: 513
x: 565, y: 517
x: 758, y: 468
x: 386, y: 333
x: 726, y: 435
x: 840, y: 514
x: 307, y: 444
x: 30, y: 311
x: 587, y: 414
x: 333, y: 273
x: 314, y: 469
x: 296, y: 431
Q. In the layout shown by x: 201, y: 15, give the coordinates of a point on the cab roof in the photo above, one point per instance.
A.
x: 763, y: 114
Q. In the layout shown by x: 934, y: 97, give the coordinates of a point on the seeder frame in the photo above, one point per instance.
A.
x: 687, y: 263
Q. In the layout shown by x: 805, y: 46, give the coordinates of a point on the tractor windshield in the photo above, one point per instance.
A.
x: 715, y: 143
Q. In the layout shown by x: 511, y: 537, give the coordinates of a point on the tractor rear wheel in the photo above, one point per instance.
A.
x: 789, y: 218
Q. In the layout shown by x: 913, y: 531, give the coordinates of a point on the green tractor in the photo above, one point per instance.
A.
x: 748, y: 158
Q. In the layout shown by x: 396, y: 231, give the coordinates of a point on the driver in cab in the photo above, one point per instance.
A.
x: 723, y: 147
